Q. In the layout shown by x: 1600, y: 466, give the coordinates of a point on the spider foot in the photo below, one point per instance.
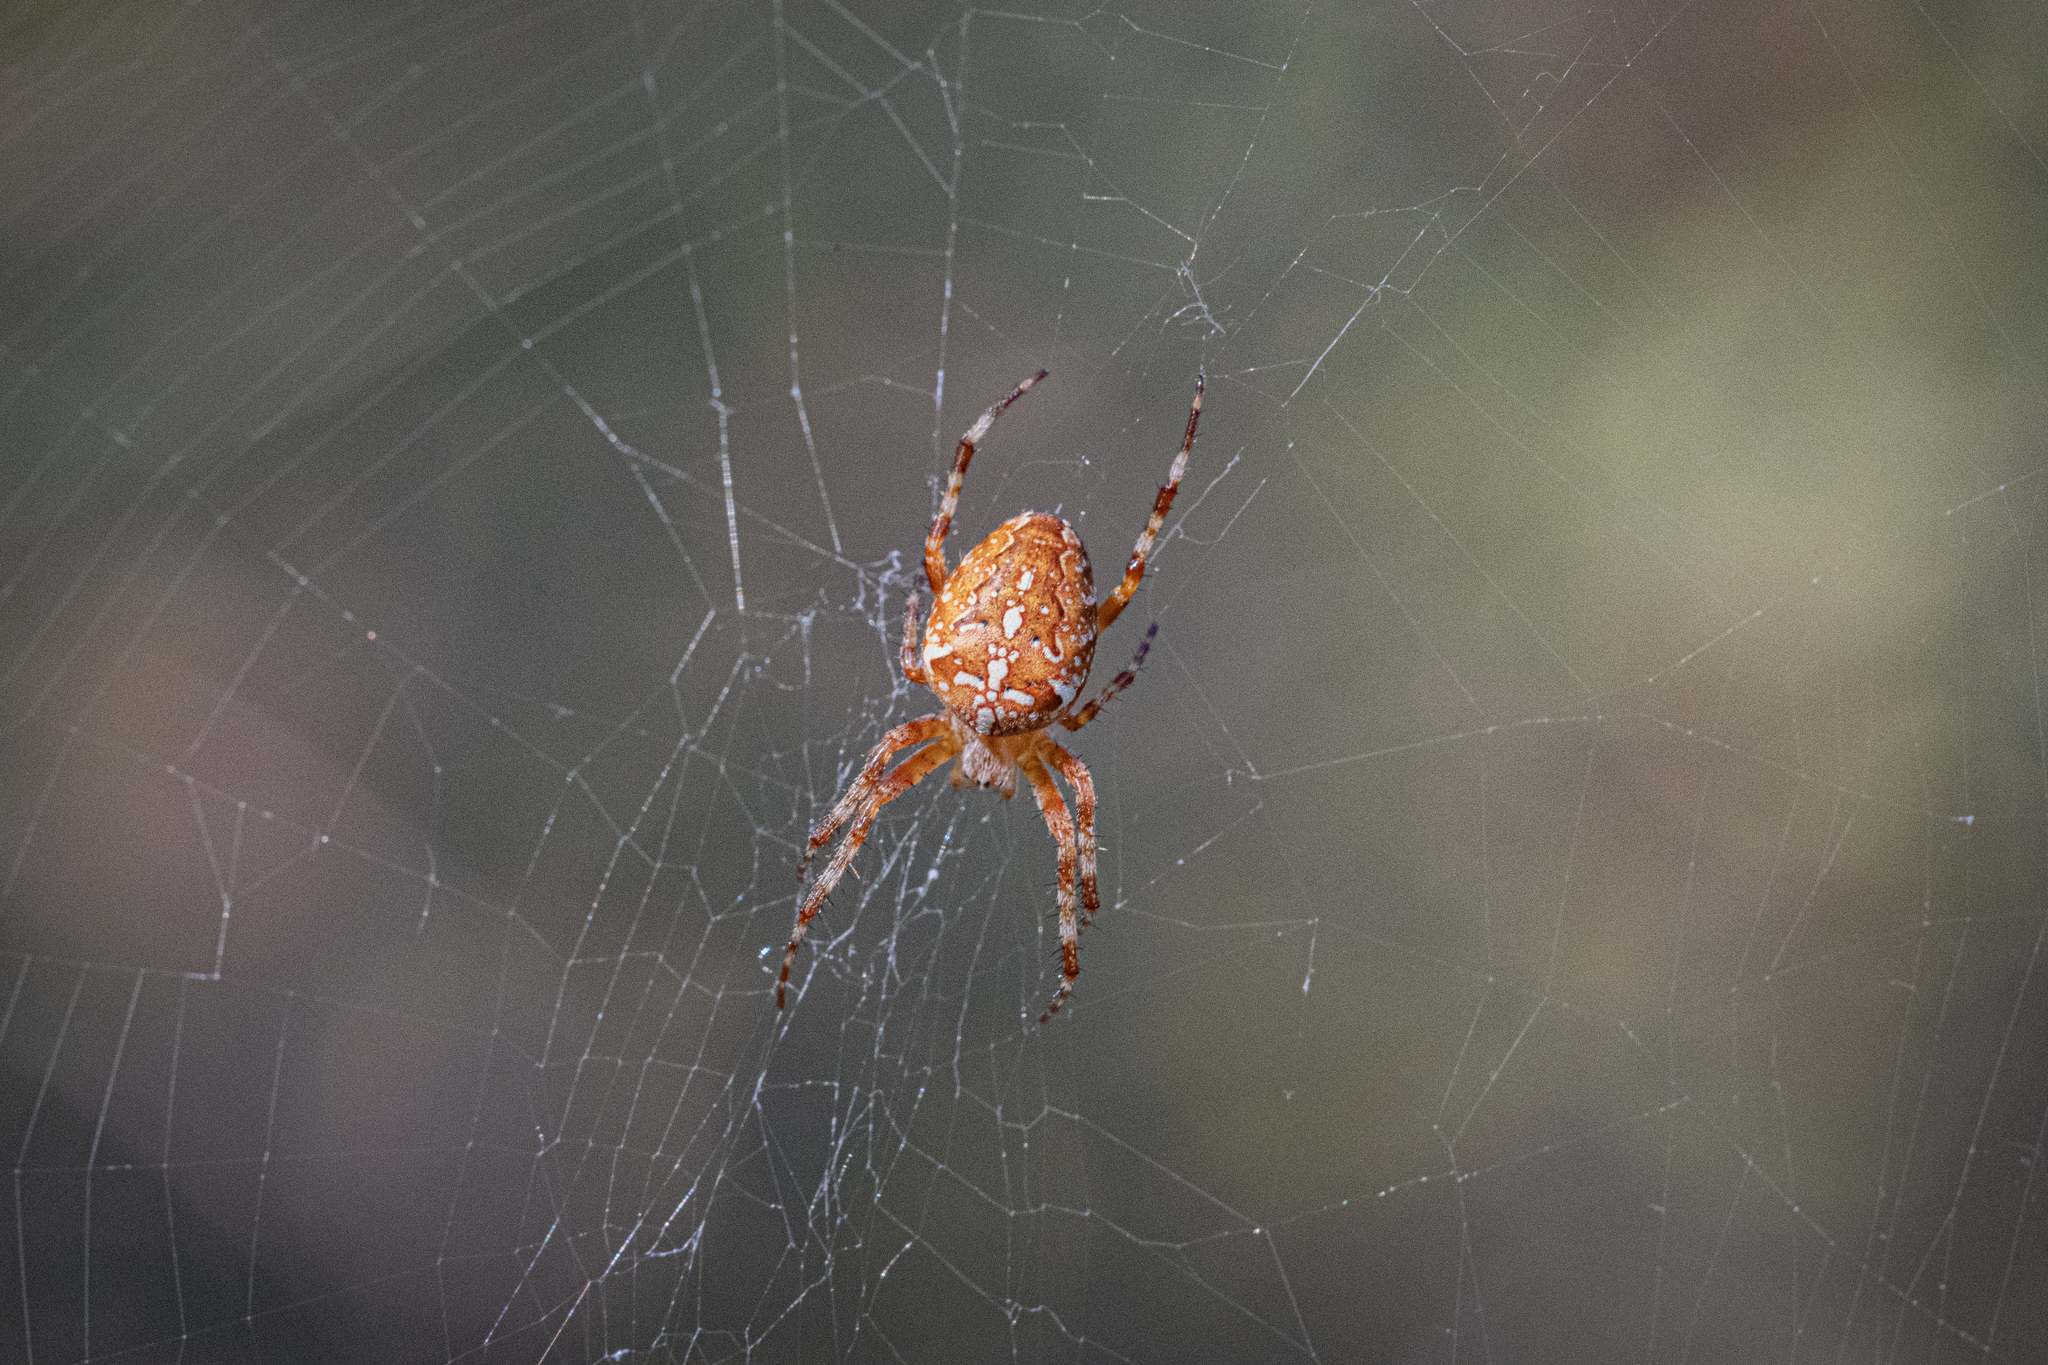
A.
x: 1059, y: 998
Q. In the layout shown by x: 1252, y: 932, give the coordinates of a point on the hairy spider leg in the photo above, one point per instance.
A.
x: 867, y: 794
x: 1135, y: 574
x: 1076, y: 773
x: 902, y: 737
x: 1054, y: 808
x: 912, y: 669
x: 1116, y: 684
x: 934, y: 555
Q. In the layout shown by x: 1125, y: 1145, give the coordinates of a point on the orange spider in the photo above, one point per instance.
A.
x: 1008, y: 648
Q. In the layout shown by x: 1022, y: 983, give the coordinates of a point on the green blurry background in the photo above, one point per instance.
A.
x: 1572, y: 863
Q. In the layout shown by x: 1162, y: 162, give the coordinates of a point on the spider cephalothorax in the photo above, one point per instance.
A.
x: 1009, y: 645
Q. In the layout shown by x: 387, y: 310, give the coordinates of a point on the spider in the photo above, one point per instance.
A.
x: 1007, y: 650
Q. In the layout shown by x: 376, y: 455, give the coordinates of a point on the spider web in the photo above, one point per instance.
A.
x: 1572, y: 865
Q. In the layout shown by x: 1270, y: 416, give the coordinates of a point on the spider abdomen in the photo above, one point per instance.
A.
x: 1012, y: 634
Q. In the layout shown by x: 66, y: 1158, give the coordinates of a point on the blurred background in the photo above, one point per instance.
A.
x: 1572, y: 864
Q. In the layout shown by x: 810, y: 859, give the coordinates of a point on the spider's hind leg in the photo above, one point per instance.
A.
x: 1134, y: 573
x: 934, y: 554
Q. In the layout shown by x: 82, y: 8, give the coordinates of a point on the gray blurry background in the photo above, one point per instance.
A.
x: 1572, y: 864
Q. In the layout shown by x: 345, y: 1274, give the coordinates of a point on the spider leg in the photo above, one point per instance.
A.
x: 1116, y: 685
x: 866, y: 794
x: 934, y: 556
x: 912, y: 669
x: 1076, y: 773
x: 1135, y: 574
x: 902, y: 737
x: 1054, y: 808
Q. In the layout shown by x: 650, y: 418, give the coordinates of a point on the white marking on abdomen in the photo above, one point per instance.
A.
x: 998, y: 669
x: 1024, y: 583
x: 1021, y: 698
x: 935, y: 652
x: 969, y: 680
x: 1014, y: 617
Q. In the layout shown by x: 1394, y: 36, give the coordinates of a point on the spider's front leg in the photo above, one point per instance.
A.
x: 864, y: 798
x: 1076, y: 773
x: 1054, y: 808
